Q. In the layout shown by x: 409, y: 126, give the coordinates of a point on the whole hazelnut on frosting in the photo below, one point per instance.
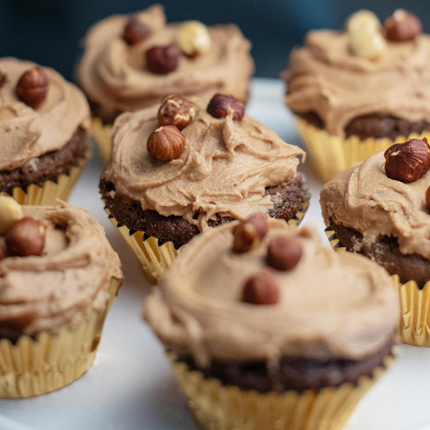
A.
x: 162, y: 59
x: 32, y: 87
x: 176, y: 110
x: 248, y: 234
x: 166, y: 143
x: 135, y: 31
x: 10, y: 213
x: 26, y: 238
x: 221, y: 105
x: 261, y: 289
x: 367, y: 44
x: 193, y: 38
x: 402, y: 26
x: 363, y: 20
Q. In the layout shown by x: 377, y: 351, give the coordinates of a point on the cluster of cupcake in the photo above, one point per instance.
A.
x: 264, y: 327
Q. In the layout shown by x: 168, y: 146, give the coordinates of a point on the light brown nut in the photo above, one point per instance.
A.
x: 10, y: 213
x: 166, y: 143
x: 409, y: 161
x: 162, y: 59
x: 367, y: 44
x: 32, y: 87
x: 283, y: 253
x: 222, y: 105
x: 193, y: 38
x: 402, y: 26
x: 26, y: 237
x: 176, y: 110
x: 363, y: 20
x: 135, y: 31
x: 261, y: 289
x: 248, y: 234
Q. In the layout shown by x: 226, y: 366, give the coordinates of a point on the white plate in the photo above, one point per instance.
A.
x: 130, y: 386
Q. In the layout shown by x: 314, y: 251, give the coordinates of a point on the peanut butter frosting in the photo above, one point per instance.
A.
x: 224, y: 169
x: 114, y: 75
x: 67, y: 282
x: 326, y: 78
x: 332, y: 305
x: 366, y: 199
x: 26, y: 133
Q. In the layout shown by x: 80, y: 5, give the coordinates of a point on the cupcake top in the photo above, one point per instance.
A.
x: 59, y: 284
x: 39, y: 111
x: 339, y: 81
x: 223, y: 165
x: 316, y: 304
x: 115, y: 71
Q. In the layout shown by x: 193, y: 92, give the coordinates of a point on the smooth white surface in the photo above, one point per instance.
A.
x: 130, y: 386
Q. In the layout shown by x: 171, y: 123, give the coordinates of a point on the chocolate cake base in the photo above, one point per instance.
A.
x: 385, y: 251
x: 47, y: 167
x: 288, y: 199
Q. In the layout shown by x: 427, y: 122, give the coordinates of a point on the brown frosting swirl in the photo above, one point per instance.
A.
x: 224, y: 169
x: 325, y: 78
x: 332, y: 305
x: 26, y: 133
x: 64, y: 285
x: 113, y: 74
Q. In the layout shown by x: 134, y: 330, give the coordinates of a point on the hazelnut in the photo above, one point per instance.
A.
x: 166, y: 143
x: 222, y: 105
x: 32, y: 87
x: 402, y: 26
x: 367, y: 44
x: 10, y: 213
x: 26, y: 237
x: 176, y: 110
x: 407, y: 162
x: 363, y: 20
x: 428, y: 197
x: 248, y: 234
x: 193, y: 38
x: 261, y: 289
x: 283, y: 253
x: 135, y: 31
x: 162, y: 59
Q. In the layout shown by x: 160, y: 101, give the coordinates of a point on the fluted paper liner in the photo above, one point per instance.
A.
x: 332, y: 154
x: 155, y: 259
x: 219, y: 407
x: 31, y: 367
x: 103, y: 135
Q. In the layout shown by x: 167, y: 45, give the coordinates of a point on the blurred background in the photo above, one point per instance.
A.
x: 49, y: 31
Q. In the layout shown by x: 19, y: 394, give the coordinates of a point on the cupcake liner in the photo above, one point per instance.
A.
x: 332, y: 154
x: 103, y: 134
x: 219, y: 407
x: 31, y: 367
x: 155, y: 259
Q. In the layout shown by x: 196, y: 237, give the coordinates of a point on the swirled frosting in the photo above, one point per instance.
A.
x: 113, y: 74
x: 366, y: 199
x: 325, y: 78
x: 67, y: 282
x: 224, y: 169
x: 26, y: 133
x: 332, y: 305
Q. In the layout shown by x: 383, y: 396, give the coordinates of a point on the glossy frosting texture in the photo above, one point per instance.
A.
x: 26, y: 133
x: 114, y: 75
x: 332, y: 305
x: 224, y: 169
x: 325, y: 78
x: 64, y: 285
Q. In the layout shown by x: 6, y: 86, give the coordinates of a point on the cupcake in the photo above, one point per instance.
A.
x: 356, y: 92
x: 285, y: 335
x: 44, y: 122
x: 132, y: 61
x: 222, y: 166
x: 379, y: 209
x: 58, y: 278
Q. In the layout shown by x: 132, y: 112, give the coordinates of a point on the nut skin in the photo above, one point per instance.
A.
x: 221, y: 105
x: 248, y: 234
x: 166, y: 143
x: 409, y: 161
x: 135, y: 31
x: 428, y: 197
x: 176, y: 110
x: 10, y: 213
x: 193, y: 38
x: 162, y: 59
x: 26, y: 238
x: 283, y: 253
x: 402, y: 26
x: 32, y: 87
x: 261, y: 289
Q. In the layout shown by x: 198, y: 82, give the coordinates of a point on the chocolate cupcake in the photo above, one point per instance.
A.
x: 261, y: 337
x: 44, y: 122
x: 132, y: 61
x: 222, y: 166
x: 358, y: 91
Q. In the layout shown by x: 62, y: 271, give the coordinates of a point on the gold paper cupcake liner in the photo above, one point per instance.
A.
x: 155, y: 259
x: 31, y: 367
x: 219, y: 407
x: 332, y: 154
x: 103, y: 135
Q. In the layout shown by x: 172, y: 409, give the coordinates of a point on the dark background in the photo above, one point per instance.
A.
x: 49, y: 31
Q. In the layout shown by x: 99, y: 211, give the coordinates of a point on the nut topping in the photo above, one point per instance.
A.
x: 248, y: 234
x: 261, y: 289
x: 26, y: 237
x: 402, y: 26
x: 176, y: 110
x: 166, y: 143
x: 367, y: 44
x: 363, y: 20
x: 135, y: 31
x: 222, y: 105
x: 283, y: 253
x: 407, y: 162
x: 193, y: 38
x: 162, y: 59
x: 32, y: 87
